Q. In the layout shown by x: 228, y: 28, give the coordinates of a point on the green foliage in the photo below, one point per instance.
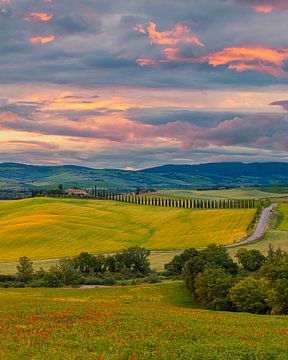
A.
x: 24, y: 269
x: 135, y: 259
x: 278, y: 297
x: 249, y: 295
x: 54, y: 277
x: 251, y: 260
x: 175, y: 267
x: 212, y: 288
x: 213, y: 256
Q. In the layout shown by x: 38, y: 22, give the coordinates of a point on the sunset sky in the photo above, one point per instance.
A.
x: 137, y: 83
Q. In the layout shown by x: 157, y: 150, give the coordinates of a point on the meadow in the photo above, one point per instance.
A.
x: 45, y: 228
x: 146, y: 322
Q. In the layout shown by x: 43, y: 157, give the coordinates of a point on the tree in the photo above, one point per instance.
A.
x: 135, y: 259
x: 70, y: 275
x: 278, y: 297
x: 212, y: 288
x: 54, y: 277
x: 175, y: 267
x: 85, y: 262
x: 213, y: 256
x: 275, y: 266
x: 249, y: 295
x: 251, y: 260
x: 25, y: 269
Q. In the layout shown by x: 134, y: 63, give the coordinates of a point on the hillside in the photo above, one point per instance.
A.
x: 54, y: 228
x: 21, y: 176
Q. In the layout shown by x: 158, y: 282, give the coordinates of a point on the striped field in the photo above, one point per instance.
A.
x: 52, y: 228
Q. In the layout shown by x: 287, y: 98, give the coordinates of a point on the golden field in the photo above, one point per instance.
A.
x: 44, y: 228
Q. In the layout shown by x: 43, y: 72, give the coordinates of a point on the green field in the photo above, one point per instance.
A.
x: 53, y: 228
x: 245, y: 193
x: 145, y: 322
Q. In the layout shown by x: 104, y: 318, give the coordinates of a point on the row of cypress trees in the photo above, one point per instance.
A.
x: 184, y: 203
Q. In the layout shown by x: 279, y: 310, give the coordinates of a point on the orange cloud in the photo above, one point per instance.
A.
x: 265, y: 6
x: 45, y: 17
x: 41, y: 39
x: 179, y: 34
x: 261, y: 59
x: 256, y: 58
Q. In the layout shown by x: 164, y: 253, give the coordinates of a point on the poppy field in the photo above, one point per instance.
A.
x: 145, y: 322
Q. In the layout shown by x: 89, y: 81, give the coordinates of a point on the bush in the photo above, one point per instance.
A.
x: 153, y: 278
x: 54, y: 277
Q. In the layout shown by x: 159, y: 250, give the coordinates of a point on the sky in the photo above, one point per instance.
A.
x: 132, y: 84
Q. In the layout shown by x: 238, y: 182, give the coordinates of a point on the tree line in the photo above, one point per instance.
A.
x: 135, y: 197
x: 256, y: 284
x: 130, y: 265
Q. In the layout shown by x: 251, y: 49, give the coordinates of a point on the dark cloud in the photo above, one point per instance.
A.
x: 282, y: 103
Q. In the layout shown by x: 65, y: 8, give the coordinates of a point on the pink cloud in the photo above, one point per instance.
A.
x: 255, y: 131
x: 179, y: 34
x: 257, y: 58
x: 146, y: 62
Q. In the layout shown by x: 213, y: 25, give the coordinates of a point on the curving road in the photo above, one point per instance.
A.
x: 261, y: 226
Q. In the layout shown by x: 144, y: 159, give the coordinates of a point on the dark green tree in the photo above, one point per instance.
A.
x: 251, y: 260
x: 278, y: 297
x: 54, y: 277
x: 25, y: 269
x: 175, y: 267
x: 249, y: 295
x: 211, y: 257
x: 212, y: 288
x: 135, y: 259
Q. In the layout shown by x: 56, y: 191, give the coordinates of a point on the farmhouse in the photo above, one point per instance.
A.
x: 76, y: 192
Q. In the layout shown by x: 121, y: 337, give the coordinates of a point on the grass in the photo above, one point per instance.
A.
x: 283, y: 224
x: 245, y: 193
x: 145, y: 322
x: 54, y: 228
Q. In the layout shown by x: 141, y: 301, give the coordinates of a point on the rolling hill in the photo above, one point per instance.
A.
x: 44, y: 228
x: 21, y: 176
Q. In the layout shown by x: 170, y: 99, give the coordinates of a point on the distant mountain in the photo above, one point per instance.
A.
x: 20, y: 176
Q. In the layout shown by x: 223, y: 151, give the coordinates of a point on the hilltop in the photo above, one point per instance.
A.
x: 210, y: 175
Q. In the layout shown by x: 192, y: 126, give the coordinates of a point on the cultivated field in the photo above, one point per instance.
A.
x: 246, y: 193
x: 144, y: 322
x: 53, y: 228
